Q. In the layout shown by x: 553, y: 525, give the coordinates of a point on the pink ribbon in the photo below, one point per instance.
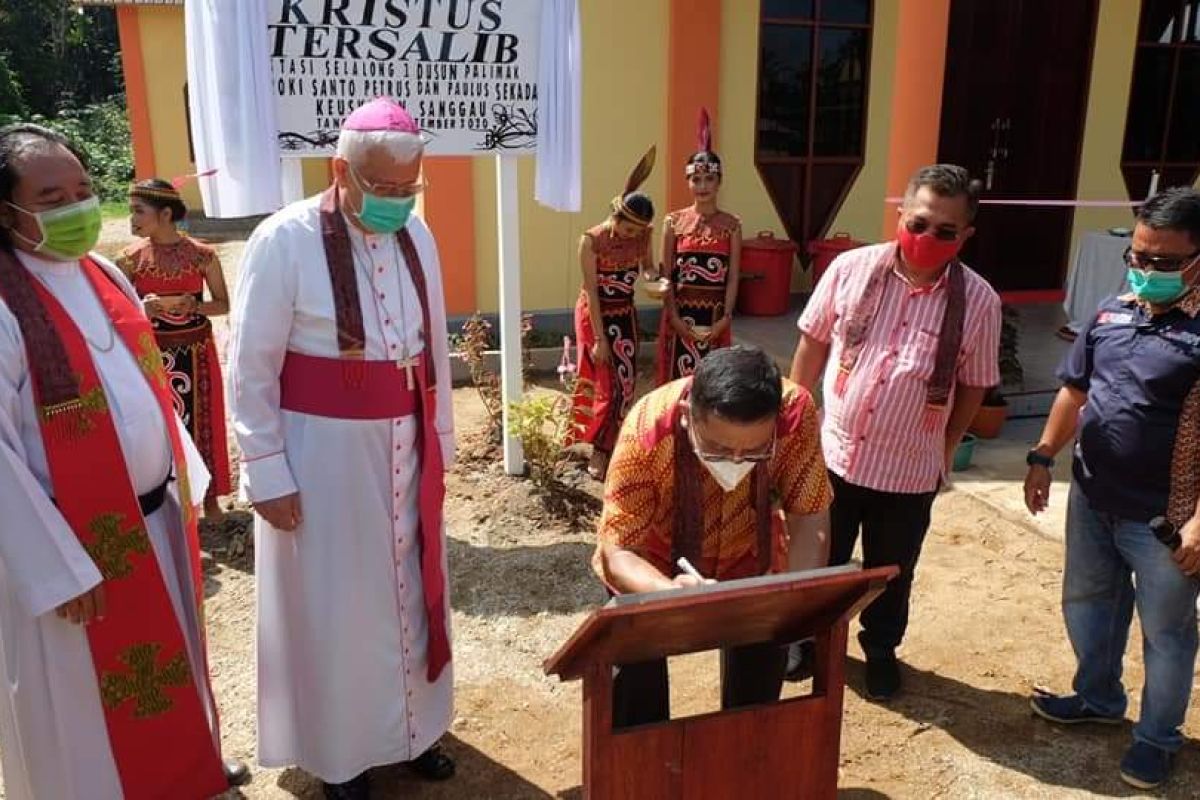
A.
x: 1051, y: 203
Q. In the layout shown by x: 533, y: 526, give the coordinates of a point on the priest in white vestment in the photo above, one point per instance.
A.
x: 340, y: 395
x: 61, y: 736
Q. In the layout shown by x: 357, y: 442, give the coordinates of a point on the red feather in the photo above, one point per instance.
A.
x: 180, y: 181
x: 704, y: 132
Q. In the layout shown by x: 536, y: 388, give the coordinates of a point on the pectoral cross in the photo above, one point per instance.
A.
x: 408, y: 364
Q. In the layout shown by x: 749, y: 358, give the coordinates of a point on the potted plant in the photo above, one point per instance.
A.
x: 994, y: 411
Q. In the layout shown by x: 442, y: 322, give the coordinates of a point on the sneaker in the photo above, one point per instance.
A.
x: 1067, y: 709
x: 883, y: 677
x: 1146, y: 766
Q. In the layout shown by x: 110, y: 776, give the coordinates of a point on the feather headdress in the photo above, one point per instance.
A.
x: 632, y: 183
x: 704, y: 161
x: 178, y: 182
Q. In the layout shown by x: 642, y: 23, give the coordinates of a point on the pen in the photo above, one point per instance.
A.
x: 687, y: 567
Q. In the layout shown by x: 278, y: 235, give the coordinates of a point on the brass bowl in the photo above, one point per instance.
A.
x: 656, y: 289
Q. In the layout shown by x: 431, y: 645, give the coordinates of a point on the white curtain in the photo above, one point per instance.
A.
x: 559, y: 182
x: 232, y: 106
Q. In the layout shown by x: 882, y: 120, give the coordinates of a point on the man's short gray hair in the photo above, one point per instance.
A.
x: 403, y: 147
x: 946, y: 180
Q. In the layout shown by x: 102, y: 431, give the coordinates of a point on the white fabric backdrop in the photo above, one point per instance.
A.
x: 559, y: 180
x: 232, y: 107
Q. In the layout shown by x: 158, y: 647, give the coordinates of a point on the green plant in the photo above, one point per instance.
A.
x: 472, y: 345
x: 1011, y: 371
x: 541, y: 422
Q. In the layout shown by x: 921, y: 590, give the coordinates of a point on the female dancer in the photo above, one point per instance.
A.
x: 611, y: 255
x: 169, y: 271
x: 702, y: 246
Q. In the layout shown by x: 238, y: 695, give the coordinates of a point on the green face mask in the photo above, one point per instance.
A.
x: 68, y: 232
x: 1159, y: 288
x: 383, y: 214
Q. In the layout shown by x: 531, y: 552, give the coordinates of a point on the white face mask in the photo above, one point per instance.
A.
x: 728, y: 474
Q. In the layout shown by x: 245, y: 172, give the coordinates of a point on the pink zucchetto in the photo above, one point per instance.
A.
x: 381, y: 114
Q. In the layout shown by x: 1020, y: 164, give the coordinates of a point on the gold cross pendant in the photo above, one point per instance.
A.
x: 408, y: 364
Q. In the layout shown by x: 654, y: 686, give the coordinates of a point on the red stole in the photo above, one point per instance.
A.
x: 156, y: 719
x: 351, y: 344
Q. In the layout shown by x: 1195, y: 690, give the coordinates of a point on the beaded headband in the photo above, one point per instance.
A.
x: 153, y: 193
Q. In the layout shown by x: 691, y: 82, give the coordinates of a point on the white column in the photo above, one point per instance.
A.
x: 508, y: 224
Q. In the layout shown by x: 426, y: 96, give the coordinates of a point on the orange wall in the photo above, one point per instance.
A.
x: 137, y: 100
x: 450, y: 212
x: 693, y: 82
x: 916, y: 96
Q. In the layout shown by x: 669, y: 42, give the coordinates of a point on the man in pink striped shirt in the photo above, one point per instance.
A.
x: 910, y: 336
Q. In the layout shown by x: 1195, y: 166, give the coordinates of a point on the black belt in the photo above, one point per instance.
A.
x: 151, y: 501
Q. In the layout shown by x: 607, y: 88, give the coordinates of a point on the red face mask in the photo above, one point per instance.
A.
x: 924, y: 251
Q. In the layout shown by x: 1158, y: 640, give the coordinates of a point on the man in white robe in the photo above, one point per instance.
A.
x: 54, y: 741
x: 353, y: 666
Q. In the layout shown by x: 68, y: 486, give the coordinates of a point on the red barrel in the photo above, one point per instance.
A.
x: 766, y: 275
x: 824, y: 251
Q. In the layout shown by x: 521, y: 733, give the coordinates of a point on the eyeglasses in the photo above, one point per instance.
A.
x: 753, y: 457
x: 1158, y: 263
x: 919, y: 226
x: 390, y: 189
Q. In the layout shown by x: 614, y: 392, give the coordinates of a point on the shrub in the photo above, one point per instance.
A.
x: 541, y: 421
x: 471, y: 345
x: 101, y: 131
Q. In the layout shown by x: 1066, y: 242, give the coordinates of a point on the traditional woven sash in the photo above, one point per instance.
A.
x: 1185, y: 462
x: 157, y: 722
x: 352, y: 344
x: 688, y: 536
x: 865, y: 307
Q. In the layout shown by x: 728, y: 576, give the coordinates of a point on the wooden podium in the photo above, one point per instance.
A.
x: 785, y: 749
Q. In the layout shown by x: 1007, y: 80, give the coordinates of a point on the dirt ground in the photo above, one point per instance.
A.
x: 985, y: 630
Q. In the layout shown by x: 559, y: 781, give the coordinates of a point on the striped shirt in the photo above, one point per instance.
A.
x: 872, y: 435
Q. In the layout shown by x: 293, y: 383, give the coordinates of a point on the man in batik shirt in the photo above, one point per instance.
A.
x: 724, y: 469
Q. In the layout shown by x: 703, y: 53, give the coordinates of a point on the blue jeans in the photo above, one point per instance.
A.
x: 1107, y: 557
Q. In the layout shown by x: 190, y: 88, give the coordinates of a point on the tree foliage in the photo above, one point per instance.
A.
x: 60, y: 66
x: 101, y: 130
x: 56, y: 56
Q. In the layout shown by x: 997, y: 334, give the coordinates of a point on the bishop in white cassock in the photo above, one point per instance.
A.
x: 340, y: 395
x: 87, y: 434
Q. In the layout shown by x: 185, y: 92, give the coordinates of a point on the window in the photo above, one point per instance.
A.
x: 814, y: 58
x: 1162, y: 129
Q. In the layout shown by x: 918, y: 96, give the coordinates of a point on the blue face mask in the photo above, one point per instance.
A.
x: 383, y: 214
x: 1156, y: 287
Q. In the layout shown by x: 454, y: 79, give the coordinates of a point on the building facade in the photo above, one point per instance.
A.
x: 821, y: 109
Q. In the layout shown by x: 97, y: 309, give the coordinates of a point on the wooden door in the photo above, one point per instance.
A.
x: 1013, y: 106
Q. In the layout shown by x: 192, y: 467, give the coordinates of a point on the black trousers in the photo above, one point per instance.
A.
x: 893, y: 529
x: 750, y: 675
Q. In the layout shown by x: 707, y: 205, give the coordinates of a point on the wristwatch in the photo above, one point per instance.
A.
x: 1035, y: 459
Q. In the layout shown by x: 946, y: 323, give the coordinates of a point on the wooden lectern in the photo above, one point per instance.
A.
x: 784, y: 749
